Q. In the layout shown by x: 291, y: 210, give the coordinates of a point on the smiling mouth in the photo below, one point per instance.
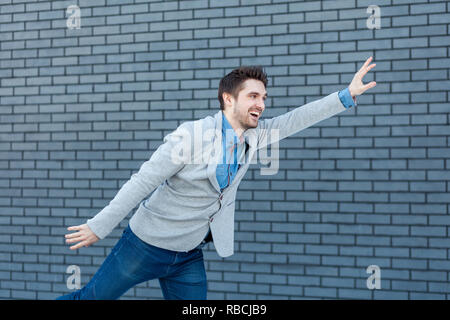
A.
x: 254, y: 115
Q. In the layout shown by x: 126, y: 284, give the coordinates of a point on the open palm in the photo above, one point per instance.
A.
x: 83, y: 235
x: 357, y: 87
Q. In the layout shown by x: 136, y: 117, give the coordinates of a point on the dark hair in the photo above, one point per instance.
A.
x: 232, y: 83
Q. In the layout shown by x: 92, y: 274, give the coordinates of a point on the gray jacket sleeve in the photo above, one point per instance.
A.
x: 289, y: 123
x: 151, y: 174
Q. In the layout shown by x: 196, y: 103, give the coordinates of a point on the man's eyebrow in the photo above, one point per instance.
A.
x: 254, y: 92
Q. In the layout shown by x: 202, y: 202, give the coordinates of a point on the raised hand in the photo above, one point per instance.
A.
x: 357, y: 87
x: 84, y: 236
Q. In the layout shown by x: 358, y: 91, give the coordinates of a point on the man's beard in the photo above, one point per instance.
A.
x: 246, y: 122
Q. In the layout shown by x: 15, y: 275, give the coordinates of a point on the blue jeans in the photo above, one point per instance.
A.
x: 181, y: 274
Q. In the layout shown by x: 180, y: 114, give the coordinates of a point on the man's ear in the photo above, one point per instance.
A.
x: 227, y: 99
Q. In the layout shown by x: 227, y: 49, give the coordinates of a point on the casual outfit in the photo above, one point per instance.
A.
x: 191, y: 202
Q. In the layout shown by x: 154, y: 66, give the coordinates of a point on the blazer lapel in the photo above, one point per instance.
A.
x: 250, y: 136
x: 250, y: 148
x: 217, y: 141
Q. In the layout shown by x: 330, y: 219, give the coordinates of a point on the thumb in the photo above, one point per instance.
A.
x: 369, y: 85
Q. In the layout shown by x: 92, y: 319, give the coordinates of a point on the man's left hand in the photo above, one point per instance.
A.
x: 357, y: 87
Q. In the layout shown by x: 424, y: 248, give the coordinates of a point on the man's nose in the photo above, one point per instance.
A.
x: 261, y: 105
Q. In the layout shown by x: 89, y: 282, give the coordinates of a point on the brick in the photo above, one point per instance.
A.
x: 439, y: 265
x: 321, y: 292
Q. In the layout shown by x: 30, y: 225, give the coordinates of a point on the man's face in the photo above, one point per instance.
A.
x: 246, y: 110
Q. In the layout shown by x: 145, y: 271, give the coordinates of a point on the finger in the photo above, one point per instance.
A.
x: 364, y: 67
x: 366, y: 63
x: 73, y: 235
x: 79, y: 245
x: 363, y: 71
x: 75, y: 240
x: 74, y: 228
x: 369, y: 85
x: 367, y: 69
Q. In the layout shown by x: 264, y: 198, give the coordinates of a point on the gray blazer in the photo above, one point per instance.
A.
x: 185, y: 199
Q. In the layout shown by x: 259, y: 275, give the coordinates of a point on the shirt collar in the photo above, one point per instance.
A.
x: 231, y: 137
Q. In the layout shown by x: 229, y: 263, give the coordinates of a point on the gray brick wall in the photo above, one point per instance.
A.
x: 81, y: 109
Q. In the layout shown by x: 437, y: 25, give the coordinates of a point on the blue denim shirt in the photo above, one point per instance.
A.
x: 347, y: 99
x: 233, y: 149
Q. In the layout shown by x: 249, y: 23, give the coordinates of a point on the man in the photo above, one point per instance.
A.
x: 193, y: 201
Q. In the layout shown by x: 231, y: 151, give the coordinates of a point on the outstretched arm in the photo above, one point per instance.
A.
x: 151, y: 174
x: 311, y: 113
